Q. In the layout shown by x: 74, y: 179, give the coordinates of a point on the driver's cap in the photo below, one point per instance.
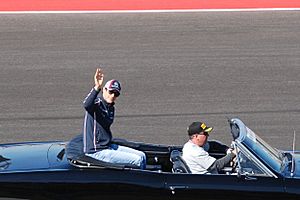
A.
x: 198, y: 127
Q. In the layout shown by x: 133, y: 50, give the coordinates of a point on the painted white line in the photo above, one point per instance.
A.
x: 149, y: 11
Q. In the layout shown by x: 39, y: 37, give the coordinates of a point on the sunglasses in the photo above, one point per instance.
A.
x: 116, y: 93
x: 204, y: 133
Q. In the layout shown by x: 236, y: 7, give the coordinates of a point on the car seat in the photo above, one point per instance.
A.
x: 179, y: 165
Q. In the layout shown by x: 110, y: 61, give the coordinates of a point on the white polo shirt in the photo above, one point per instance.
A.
x: 197, y: 158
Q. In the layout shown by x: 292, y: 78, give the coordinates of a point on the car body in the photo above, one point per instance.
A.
x: 41, y: 170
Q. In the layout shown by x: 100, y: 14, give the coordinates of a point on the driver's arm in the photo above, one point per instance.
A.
x: 219, y: 164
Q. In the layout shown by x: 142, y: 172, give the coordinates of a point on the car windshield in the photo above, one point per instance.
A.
x: 264, y: 150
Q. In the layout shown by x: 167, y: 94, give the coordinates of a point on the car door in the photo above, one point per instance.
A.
x: 250, y: 179
x: 222, y: 186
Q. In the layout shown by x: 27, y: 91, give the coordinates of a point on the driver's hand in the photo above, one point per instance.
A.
x: 234, y: 151
x: 231, y: 150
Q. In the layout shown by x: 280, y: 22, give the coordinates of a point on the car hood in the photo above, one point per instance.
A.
x: 24, y: 156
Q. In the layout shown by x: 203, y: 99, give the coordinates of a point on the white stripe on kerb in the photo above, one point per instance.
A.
x: 149, y: 11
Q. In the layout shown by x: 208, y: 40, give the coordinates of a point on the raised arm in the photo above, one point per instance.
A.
x: 98, y: 79
x: 88, y: 102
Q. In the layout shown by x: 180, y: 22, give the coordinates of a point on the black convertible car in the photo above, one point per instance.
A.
x: 41, y: 170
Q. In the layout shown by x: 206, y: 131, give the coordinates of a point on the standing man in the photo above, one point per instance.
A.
x: 195, y: 153
x: 96, y: 137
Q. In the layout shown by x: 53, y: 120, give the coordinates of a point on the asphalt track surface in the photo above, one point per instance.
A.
x: 175, y: 68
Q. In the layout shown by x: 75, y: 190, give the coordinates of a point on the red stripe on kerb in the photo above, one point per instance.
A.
x: 73, y: 5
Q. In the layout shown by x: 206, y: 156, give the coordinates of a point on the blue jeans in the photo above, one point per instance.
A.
x: 121, y: 155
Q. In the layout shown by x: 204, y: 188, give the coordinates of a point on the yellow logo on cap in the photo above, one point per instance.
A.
x: 203, y: 126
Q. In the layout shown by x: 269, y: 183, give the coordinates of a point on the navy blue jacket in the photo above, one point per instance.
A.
x: 96, y: 133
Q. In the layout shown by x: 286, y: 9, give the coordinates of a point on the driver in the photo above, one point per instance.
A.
x: 195, y: 153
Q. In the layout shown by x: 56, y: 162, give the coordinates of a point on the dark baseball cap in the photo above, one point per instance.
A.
x: 198, y: 127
